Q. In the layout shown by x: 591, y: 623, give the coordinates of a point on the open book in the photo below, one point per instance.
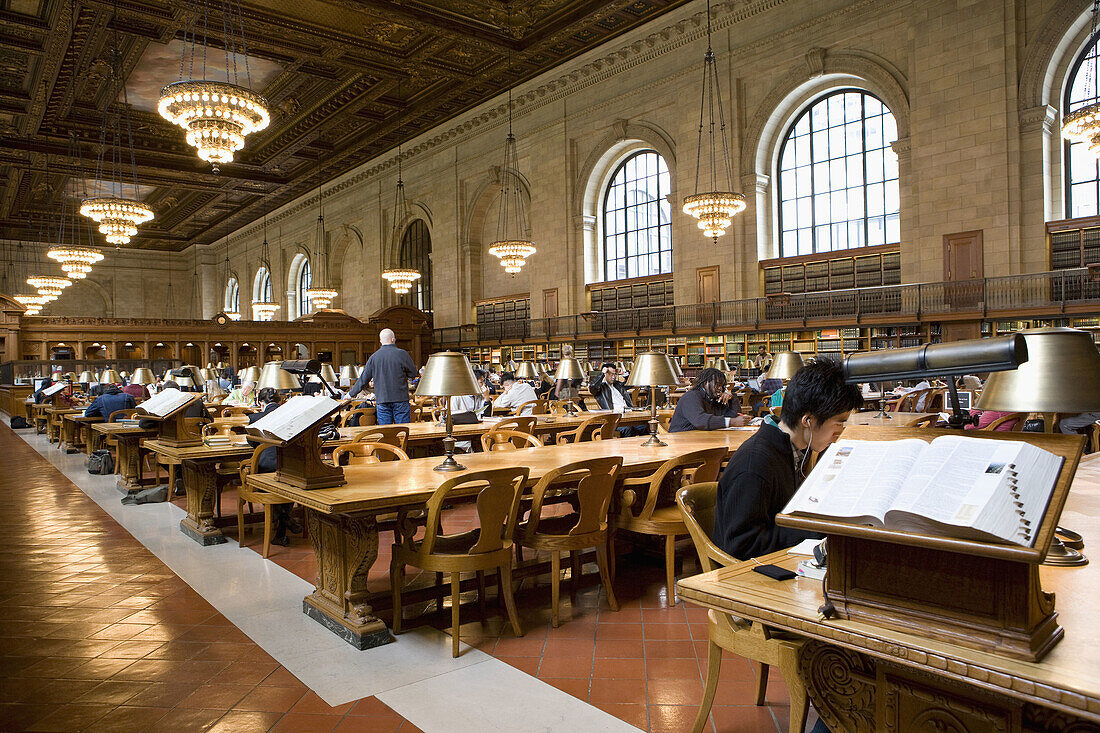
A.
x: 54, y: 389
x: 965, y: 488
x: 167, y: 401
x: 293, y: 417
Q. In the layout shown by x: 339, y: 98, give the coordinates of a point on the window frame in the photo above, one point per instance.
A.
x: 661, y: 200
x: 305, y: 282
x: 420, y: 260
x: 788, y: 137
x: 232, y: 299
x: 1092, y: 49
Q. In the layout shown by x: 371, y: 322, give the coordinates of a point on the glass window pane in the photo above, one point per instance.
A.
x: 638, y: 229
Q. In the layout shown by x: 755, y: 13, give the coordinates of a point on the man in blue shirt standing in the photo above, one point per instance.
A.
x: 391, y: 368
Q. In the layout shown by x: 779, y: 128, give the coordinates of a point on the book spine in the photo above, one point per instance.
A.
x: 1024, y: 530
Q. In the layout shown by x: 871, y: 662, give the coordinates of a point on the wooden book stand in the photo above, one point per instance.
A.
x: 174, y: 431
x: 975, y: 594
x: 299, y: 459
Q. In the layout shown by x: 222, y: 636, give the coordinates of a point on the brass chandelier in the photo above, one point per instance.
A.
x: 714, y: 209
x: 1082, y: 125
x: 262, y: 308
x: 216, y: 115
x: 118, y: 216
x: 401, y: 279
x: 319, y: 292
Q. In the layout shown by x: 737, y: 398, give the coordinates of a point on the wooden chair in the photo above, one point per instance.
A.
x: 366, y: 415
x: 594, y: 481
x: 498, y: 440
x: 1019, y: 417
x: 363, y: 454
x: 597, y: 427
x: 487, y: 546
x: 395, y: 435
x: 777, y: 411
x: 559, y: 407
x: 524, y: 424
x: 252, y: 496
x: 928, y: 421
x: 538, y: 407
x: 237, y: 411
x: 642, y: 510
x: 751, y: 640
x: 422, y: 413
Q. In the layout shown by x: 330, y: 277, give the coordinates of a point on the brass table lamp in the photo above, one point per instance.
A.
x: 250, y: 374
x: 785, y: 365
x: 569, y: 369
x: 109, y: 376
x: 86, y: 377
x: 722, y: 366
x: 1061, y: 374
x: 526, y: 370
x: 143, y: 375
x: 448, y: 374
x: 274, y: 376
x: 653, y: 370
x: 208, y: 374
x: 328, y: 373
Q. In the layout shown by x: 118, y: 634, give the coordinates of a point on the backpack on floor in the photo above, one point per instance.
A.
x: 18, y: 423
x: 101, y: 463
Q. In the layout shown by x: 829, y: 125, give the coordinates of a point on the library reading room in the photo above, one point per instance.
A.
x: 550, y: 366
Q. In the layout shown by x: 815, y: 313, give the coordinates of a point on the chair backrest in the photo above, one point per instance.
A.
x: 422, y: 413
x: 537, y: 407
x: 697, y: 467
x: 559, y: 407
x: 935, y: 400
x: 524, y: 424
x: 1017, y: 426
x: 496, y: 440
x: 697, y: 503
x: 365, y: 454
x: 594, y: 479
x: 928, y: 421
x: 121, y: 414
x: 497, y: 507
x: 395, y: 435
x: 364, y: 413
x: 597, y: 427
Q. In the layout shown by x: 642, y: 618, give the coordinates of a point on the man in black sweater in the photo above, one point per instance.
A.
x: 707, y: 405
x: 391, y: 368
x: 766, y: 470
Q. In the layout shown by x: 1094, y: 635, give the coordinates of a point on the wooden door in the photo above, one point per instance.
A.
x: 706, y: 284
x: 550, y: 303
x: 963, y: 269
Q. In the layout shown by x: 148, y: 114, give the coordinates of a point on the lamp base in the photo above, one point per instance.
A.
x: 449, y: 464
x: 1062, y: 556
x: 654, y: 441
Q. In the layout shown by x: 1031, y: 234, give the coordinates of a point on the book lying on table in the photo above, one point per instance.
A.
x: 954, y: 486
x: 293, y: 417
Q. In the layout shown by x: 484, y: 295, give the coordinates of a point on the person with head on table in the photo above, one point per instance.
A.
x: 766, y: 471
x: 514, y: 393
x: 708, y: 405
x: 391, y: 368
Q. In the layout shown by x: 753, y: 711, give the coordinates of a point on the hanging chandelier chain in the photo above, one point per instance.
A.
x: 244, y: 44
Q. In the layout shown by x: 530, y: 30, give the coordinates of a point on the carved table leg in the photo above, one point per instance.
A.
x: 129, y: 464
x: 346, y: 547
x: 70, y: 430
x: 200, y: 480
x: 841, y: 685
x: 91, y: 445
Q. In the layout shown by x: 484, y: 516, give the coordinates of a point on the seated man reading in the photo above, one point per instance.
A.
x: 766, y: 470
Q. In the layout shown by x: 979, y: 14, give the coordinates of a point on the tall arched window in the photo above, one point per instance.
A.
x: 838, y: 176
x: 1082, y: 167
x: 263, y: 290
x: 416, y: 253
x: 305, y: 280
x: 232, y: 296
x: 637, y: 229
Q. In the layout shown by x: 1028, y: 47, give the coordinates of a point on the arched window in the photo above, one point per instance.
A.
x: 232, y: 296
x: 838, y: 176
x: 1082, y: 168
x: 305, y: 280
x: 263, y: 291
x: 637, y: 229
x: 416, y: 253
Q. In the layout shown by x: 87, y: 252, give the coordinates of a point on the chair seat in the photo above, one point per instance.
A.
x: 454, y: 544
x: 664, y: 520
x: 559, y: 525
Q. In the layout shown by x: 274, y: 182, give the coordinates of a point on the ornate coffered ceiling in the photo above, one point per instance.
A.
x: 347, y: 80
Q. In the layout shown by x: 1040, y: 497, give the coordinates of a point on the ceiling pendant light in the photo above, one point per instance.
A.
x: 401, y: 279
x: 513, y: 244
x: 76, y: 261
x: 319, y: 292
x: 49, y: 287
x: 216, y: 115
x: 33, y: 302
x: 716, y: 207
x: 262, y: 308
x: 1082, y: 125
x: 118, y: 215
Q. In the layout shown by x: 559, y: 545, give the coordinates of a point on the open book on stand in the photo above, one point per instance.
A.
x: 954, y: 486
x: 292, y: 418
x: 167, y: 401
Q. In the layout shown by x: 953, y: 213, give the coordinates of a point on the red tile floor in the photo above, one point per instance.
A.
x: 100, y: 635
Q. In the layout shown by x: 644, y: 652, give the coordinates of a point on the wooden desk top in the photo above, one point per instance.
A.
x: 404, y: 483
x: 62, y: 411
x: 428, y: 431
x: 119, y: 428
x: 81, y: 417
x: 897, y: 419
x: 1068, y: 677
x: 230, y: 452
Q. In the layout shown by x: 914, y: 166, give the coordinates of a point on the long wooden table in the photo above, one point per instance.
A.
x: 128, y: 438
x: 896, y: 419
x: 343, y: 525
x: 54, y: 416
x: 865, y: 677
x: 72, y: 430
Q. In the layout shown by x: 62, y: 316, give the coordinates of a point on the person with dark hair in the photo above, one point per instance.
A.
x: 708, y: 405
x: 611, y: 394
x: 515, y: 393
x: 109, y: 399
x: 137, y: 391
x: 766, y: 470
x: 268, y: 399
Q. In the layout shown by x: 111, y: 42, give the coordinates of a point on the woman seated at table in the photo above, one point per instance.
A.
x: 243, y: 396
x: 766, y: 470
x: 708, y: 405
